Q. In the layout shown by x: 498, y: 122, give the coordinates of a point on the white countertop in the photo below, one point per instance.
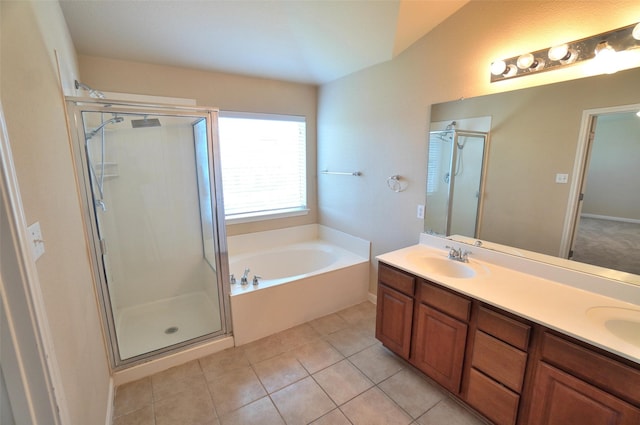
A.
x: 557, y: 305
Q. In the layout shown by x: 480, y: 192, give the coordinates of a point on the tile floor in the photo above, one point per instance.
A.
x: 329, y: 371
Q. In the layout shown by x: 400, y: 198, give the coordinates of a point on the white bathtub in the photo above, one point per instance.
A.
x: 306, y: 272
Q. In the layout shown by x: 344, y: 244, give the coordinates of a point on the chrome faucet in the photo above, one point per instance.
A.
x: 232, y: 279
x: 255, y: 279
x: 458, y: 254
x: 244, y: 280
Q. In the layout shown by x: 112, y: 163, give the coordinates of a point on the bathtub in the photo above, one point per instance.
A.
x: 305, y: 272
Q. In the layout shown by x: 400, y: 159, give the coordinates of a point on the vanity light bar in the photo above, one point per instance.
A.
x: 603, y: 45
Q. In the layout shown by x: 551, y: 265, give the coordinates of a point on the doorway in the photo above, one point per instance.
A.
x: 606, y: 232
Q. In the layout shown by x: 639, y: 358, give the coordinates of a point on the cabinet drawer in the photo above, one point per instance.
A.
x: 603, y: 372
x: 504, y: 328
x: 496, y: 402
x: 445, y: 301
x: 500, y: 361
x: 396, y: 279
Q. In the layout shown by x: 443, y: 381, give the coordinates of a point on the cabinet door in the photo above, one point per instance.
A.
x: 561, y: 399
x: 439, y: 346
x: 393, y: 320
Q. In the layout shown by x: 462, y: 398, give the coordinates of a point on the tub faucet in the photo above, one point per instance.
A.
x: 243, y: 279
x: 232, y: 279
x: 255, y: 279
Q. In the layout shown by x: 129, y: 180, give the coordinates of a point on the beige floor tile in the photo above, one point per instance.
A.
x: 359, y: 312
x: 328, y: 324
x: 169, y: 382
x: 342, y: 382
x: 132, y: 396
x: 375, y: 408
x: 317, y: 355
x: 450, y: 412
x: 302, y: 402
x: 350, y: 340
x: 412, y: 392
x: 142, y: 416
x: 235, y: 389
x: 297, y: 336
x: 193, y: 407
x: 335, y: 417
x: 280, y: 371
x: 260, y: 412
x: 377, y: 363
x: 264, y: 349
x: 172, y: 387
x: 222, y: 362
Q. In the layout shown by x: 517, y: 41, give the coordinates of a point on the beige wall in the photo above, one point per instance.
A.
x: 35, y: 119
x: 377, y: 120
x: 224, y: 91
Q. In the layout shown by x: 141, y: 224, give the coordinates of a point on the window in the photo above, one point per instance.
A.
x: 263, y: 160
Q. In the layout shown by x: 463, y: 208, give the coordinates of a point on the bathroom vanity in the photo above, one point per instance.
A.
x: 515, y: 345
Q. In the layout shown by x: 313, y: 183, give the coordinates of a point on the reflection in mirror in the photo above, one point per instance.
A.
x: 454, y: 181
x: 538, y: 136
x: 607, y: 230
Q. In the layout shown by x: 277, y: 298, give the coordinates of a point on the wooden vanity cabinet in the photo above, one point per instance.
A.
x: 440, y: 334
x: 498, y: 361
x: 575, y: 384
x: 512, y: 371
x: 394, y: 309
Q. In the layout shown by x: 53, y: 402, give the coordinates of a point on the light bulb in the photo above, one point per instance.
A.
x: 562, y: 54
x: 498, y: 67
x: 606, y: 58
x: 636, y: 32
x: 528, y: 61
x: 511, y: 71
x: 638, y: 114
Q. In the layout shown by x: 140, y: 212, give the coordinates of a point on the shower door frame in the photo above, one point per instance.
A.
x: 75, y: 107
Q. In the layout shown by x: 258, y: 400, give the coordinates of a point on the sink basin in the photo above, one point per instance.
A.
x: 624, y: 323
x: 444, y: 266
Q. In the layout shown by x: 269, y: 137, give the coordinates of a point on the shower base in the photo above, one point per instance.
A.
x: 159, y: 324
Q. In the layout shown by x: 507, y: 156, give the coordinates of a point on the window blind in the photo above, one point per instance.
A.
x: 263, y: 161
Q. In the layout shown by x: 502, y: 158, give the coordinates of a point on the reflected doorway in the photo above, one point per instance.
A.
x: 607, y: 223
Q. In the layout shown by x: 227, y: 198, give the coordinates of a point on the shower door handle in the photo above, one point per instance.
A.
x: 103, y: 247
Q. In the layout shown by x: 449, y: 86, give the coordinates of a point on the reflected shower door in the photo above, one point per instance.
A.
x: 466, y: 185
x: 155, y: 229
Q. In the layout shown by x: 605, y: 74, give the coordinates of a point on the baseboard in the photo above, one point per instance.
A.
x: 611, y: 218
x: 372, y: 297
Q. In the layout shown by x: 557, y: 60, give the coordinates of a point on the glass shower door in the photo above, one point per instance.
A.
x: 152, y: 195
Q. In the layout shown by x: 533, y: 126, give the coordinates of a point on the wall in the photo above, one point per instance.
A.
x: 612, y: 183
x: 35, y: 118
x: 224, y: 91
x: 377, y: 120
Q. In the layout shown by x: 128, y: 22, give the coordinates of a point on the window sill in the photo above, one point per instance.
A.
x: 261, y: 216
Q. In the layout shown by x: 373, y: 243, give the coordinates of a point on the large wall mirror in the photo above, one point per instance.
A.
x: 539, y: 162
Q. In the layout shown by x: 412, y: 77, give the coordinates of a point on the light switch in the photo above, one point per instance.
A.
x: 420, y: 211
x: 562, y: 178
x: 37, y: 243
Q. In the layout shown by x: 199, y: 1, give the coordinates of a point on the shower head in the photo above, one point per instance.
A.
x: 92, y: 92
x: 95, y: 131
x: 145, y: 122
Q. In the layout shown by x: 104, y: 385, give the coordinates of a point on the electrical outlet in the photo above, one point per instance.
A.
x: 420, y: 211
x: 562, y: 178
x: 37, y: 243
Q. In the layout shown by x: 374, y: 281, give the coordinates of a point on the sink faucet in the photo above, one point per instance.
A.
x: 243, y: 279
x: 458, y: 254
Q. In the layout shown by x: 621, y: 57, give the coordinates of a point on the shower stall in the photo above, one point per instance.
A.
x: 455, y: 181
x: 149, y: 177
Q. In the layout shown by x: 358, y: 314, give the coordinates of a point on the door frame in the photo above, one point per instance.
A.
x: 581, y: 163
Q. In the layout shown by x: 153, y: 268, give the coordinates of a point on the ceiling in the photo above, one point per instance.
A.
x: 307, y: 41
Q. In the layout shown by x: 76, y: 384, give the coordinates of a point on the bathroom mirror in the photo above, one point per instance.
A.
x: 531, y: 175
